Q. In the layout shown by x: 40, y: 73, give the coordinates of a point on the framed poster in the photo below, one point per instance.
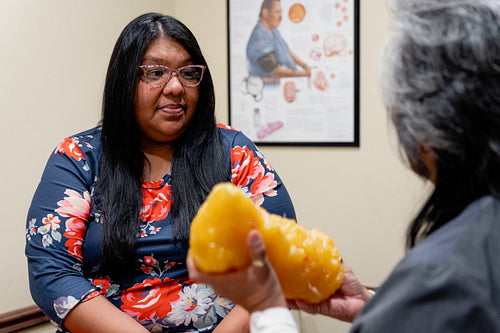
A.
x: 293, y: 71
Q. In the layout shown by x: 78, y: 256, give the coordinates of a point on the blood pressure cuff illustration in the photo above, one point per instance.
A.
x: 268, y: 61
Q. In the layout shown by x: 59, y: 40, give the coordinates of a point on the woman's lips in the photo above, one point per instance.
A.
x: 172, y: 108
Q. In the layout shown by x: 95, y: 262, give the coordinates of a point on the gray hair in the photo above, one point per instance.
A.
x: 442, y: 56
x: 441, y: 87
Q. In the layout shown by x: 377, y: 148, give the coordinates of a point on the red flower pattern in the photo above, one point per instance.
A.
x: 102, y: 284
x: 150, y: 299
x: 75, y: 232
x: 245, y: 166
x: 146, y: 270
x: 156, y: 202
x: 70, y: 148
x: 77, y: 208
x: 149, y: 260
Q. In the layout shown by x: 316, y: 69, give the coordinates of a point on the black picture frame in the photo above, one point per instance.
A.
x: 328, y: 42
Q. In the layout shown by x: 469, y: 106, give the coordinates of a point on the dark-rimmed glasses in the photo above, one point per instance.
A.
x: 157, y: 76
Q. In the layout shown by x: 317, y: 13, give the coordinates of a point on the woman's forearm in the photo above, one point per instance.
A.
x: 99, y: 315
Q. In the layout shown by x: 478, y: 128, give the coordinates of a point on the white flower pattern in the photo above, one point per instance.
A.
x: 193, y: 303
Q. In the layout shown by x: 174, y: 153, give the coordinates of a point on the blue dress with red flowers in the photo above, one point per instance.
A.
x: 63, y: 235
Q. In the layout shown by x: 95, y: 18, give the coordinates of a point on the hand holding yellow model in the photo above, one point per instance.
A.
x: 307, y: 263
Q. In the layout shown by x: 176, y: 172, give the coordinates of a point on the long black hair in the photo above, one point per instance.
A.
x: 441, y: 83
x: 198, y: 162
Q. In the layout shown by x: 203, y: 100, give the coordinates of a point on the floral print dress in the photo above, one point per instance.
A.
x: 63, y: 235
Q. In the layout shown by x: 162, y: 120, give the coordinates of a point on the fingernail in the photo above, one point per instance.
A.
x: 254, y: 240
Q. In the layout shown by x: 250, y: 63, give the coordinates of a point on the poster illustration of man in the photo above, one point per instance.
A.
x: 267, y: 52
x: 294, y: 81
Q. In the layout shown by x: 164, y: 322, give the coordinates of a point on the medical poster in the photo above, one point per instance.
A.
x: 293, y: 71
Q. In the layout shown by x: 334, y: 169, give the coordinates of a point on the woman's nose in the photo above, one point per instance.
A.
x: 173, y: 85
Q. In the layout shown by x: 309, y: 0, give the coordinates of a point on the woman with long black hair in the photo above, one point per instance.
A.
x: 108, y: 227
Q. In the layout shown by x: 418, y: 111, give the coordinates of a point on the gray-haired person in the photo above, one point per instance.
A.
x: 441, y: 84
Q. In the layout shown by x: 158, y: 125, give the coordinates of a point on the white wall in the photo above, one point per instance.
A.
x: 55, y: 53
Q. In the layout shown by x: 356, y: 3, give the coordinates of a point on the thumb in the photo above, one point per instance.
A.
x: 256, y: 246
x: 266, y: 287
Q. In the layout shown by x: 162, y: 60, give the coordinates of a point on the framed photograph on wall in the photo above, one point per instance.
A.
x: 294, y: 71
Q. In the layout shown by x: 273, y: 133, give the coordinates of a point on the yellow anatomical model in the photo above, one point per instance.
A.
x: 307, y: 263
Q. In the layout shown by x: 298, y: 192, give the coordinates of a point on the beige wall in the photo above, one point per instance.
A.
x: 54, y: 56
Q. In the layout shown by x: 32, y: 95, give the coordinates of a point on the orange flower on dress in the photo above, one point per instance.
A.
x: 70, y: 148
x: 156, y: 203
x: 150, y: 299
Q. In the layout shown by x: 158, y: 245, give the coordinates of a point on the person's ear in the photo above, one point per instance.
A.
x: 265, y: 13
x: 429, y: 159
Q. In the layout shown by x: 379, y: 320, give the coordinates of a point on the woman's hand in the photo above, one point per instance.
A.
x: 255, y: 288
x: 344, y: 304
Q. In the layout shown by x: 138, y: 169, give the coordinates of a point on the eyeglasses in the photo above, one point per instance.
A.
x: 157, y: 76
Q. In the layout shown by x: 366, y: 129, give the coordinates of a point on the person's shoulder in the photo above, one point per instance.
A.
x: 89, y: 134
x: 460, y: 235
x: 258, y: 27
x: 258, y: 32
x: 223, y: 128
x: 233, y: 136
x: 229, y: 132
x: 462, y: 250
x: 454, y: 289
x: 277, y: 32
x: 90, y: 138
x: 86, y: 142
